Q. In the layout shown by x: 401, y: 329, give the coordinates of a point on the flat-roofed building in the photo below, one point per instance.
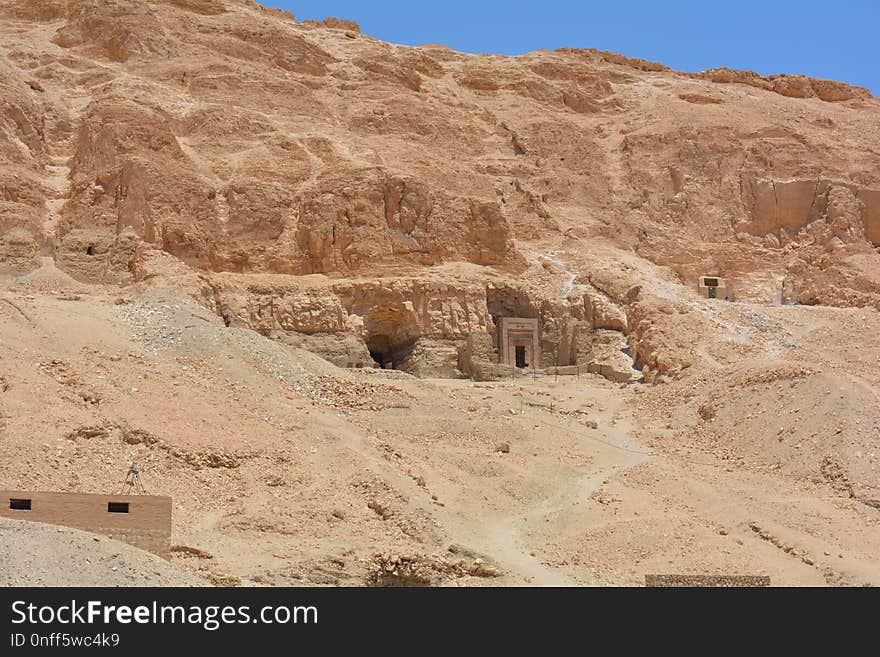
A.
x: 140, y: 520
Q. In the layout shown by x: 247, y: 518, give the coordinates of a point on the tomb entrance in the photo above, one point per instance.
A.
x: 519, y: 342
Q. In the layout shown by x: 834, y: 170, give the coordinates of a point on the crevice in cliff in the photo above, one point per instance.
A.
x: 518, y: 147
x: 775, y: 206
x: 813, y: 201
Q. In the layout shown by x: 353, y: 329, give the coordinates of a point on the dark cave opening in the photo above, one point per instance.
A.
x: 387, y: 353
x: 379, y: 347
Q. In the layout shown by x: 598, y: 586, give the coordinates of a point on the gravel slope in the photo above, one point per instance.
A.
x: 37, y: 554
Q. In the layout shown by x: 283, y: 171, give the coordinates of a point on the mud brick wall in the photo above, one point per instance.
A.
x: 147, y: 525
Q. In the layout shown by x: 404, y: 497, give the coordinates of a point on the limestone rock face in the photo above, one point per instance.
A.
x: 353, y: 222
x: 402, y: 310
x: 431, y: 358
x: 335, y: 23
x: 608, y: 356
x: 478, y: 358
x: 602, y: 313
x: 20, y: 251
x: 304, y: 177
x: 784, y: 210
x: 22, y: 147
x: 870, y: 199
x: 341, y: 349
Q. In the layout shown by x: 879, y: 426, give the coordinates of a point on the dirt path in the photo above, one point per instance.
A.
x: 505, y: 539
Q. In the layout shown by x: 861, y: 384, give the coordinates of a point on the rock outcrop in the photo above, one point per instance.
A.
x: 793, y: 86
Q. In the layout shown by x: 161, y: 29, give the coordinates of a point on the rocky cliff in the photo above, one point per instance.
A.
x: 304, y: 177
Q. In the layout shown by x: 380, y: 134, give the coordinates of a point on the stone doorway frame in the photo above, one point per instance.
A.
x: 519, y: 332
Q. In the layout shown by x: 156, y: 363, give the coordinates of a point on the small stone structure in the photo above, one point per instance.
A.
x: 140, y: 520
x: 519, y: 342
x: 713, y: 287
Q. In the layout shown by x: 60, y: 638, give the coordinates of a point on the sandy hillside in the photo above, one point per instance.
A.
x: 287, y: 470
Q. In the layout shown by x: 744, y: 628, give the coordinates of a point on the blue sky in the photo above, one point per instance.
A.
x: 835, y: 39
